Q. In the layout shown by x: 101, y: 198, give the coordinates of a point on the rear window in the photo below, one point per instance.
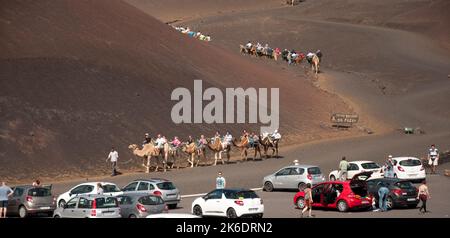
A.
x: 166, y: 186
x: 404, y: 185
x: 110, y: 188
x: 106, y: 202
x: 150, y: 200
x: 39, y: 192
x: 314, y: 170
x: 239, y: 194
x: 370, y: 166
x: 410, y: 162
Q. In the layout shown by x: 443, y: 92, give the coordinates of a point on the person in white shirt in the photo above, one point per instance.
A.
x: 433, y: 157
x: 113, y: 157
x: 160, y: 141
x: 220, y: 181
x: 249, y: 45
x: 227, y: 139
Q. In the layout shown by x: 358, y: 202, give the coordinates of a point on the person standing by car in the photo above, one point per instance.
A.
x: 343, y: 166
x: 308, y: 200
x: 113, y: 157
x: 99, y: 189
x: 383, y: 192
x: 433, y: 157
x: 423, y: 195
x: 5, y: 192
x: 389, y: 168
x: 220, y: 181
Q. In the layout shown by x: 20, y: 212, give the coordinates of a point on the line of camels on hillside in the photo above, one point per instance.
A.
x: 172, y: 155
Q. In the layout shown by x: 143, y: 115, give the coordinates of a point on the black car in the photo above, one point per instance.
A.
x: 401, y: 193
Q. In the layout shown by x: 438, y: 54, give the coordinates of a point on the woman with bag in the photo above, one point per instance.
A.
x: 308, y: 200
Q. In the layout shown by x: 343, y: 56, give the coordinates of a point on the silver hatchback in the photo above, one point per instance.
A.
x: 156, y: 186
x: 89, y: 206
x: 140, y: 205
x: 293, y: 177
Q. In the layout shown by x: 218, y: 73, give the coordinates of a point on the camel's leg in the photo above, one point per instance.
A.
x: 148, y: 165
x: 192, y: 159
x: 215, y: 158
x: 245, y: 153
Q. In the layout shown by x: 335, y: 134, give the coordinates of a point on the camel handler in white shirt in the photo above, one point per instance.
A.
x: 113, y: 157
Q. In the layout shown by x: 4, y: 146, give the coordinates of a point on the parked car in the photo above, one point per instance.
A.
x: 401, y: 193
x: 172, y: 215
x: 356, y: 167
x: 293, y: 177
x: 140, y: 205
x: 229, y: 203
x: 89, y: 206
x: 86, y: 189
x: 341, y: 195
x: 409, y: 168
x: 161, y: 187
x: 29, y: 200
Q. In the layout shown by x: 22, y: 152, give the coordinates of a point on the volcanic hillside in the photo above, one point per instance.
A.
x: 78, y: 76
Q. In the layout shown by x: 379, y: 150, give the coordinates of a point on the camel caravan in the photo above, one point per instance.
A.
x: 290, y: 56
x: 197, y: 35
x: 161, y: 154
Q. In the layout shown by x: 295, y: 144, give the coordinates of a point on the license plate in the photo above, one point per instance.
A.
x: 44, y: 208
x: 365, y: 202
x: 107, y: 212
x: 253, y: 209
x: 411, y: 199
x: 412, y: 175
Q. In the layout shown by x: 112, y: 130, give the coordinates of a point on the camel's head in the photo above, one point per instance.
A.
x: 132, y: 147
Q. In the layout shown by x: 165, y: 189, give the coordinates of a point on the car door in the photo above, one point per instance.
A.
x: 294, y: 178
x: 212, y: 203
x: 83, y: 208
x: 317, y: 194
x: 69, y: 209
x: 124, y: 203
x: 281, y: 178
x: 15, y: 200
x: 352, y: 170
x: 143, y: 187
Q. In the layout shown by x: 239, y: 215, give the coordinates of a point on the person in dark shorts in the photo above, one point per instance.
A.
x: 5, y: 192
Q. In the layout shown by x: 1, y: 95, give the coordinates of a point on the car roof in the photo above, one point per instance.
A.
x: 152, y: 180
x: 235, y: 189
x: 139, y: 194
x: 93, y: 195
x: 386, y: 179
x: 362, y: 161
x: 95, y: 183
x: 405, y: 158
x: 301, y: 166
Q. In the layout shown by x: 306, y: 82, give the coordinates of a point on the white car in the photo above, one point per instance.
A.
x: 229, y: 203
x: 356, y: 167
x: 408, y: 168
x: 86, y: 189
x: 172, y: 215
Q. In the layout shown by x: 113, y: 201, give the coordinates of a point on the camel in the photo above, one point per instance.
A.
x: 242, y: 49
x: 315, y: 61
x: 147, y: 152
x: 192, y: 151
x: 267, y: 142
x: 299, y: 58
x: 218, y: 148
x: 171, y: 152
x: 242, y: 145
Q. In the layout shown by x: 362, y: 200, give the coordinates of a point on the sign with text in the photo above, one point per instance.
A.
x: 342, y: 119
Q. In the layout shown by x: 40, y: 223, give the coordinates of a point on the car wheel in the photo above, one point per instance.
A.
x: 172, y: 206
x: 389, y: 203
x: 231, y: 213
x: 332, y: 178
x: 197, y: 211
x: 23, y: 212
x: 300, y: 203
x: 61, y: 203
x: 301, y: 187
x: 132, y: 216
x: 268, y: 186
x: 342, y: 206
x: 56, y: 216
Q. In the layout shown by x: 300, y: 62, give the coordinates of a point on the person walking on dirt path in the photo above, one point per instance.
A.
x: 220, y: 181
x: 343, y: 166
x: 308, y: 200
x: 423, y: 195
x: 5, y: 192
x: 433, y: 157
x: 113, y: 157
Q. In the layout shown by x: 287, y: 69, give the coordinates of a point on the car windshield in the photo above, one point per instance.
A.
x: 39, y: 192
x: 240, y: 194
x: 166, y: 186
x: 110, y: 188
x: 370, y: 165
x: 410, y: 162
x: 404, y: 185
x: 150, y: 200
x: 314, y: 170
x: 106, y: 202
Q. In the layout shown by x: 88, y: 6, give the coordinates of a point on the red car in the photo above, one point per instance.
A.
x: 343, y: 195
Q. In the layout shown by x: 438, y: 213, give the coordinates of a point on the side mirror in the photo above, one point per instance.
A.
x: 205, y: 197
x: 70, y: 194
x: 65, y: 206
